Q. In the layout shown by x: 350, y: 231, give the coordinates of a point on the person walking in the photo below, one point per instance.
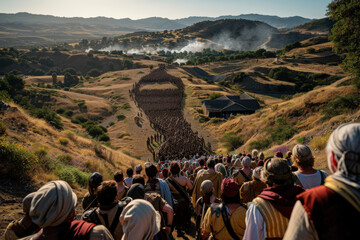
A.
x: 306, y: 175
x: 268, y: 214
x: 331, y: 211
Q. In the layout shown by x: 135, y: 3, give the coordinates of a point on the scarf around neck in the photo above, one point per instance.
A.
x: 282, y: 198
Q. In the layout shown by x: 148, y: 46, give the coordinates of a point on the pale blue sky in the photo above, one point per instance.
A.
x: 172, y: 9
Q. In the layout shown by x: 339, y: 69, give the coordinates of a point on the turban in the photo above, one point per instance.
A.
x: 206, y: 187
x: 229, y: 188
x: 302, y: 152
x: 140, y: 221
x: 52, y: 204
x: 27, y: 202
x: 344, y: 142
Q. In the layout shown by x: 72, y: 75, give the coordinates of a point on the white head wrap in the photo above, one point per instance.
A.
x: 344, y: 142
x: 302, y: 152
x: 140, y: 220
x: 246, y: 162
x: 257, y: 172
x: 52, y: 204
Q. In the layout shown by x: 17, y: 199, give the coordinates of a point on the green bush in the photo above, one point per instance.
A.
x: 49, y: 115
x: 95, y: 131
x: 18, y: 161
x: 215, y: 95
x: 232, y: 141
x: 63, y: 141
x: 120, y: 117
x: 104, y: 138
x: 2, y: 128
x: 94, y: 72
x: 64, y: 158
x: 60, y: 110
x: 341, y: 105
x: 262, y: 144
x: 126, y: 106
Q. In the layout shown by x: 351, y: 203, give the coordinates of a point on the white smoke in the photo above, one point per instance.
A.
x: 181, y: 61
x: 246, y: 40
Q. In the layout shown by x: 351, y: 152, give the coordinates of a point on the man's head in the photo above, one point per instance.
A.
x: 95, y: 180
x: 119, y: 176
x: 138, y: 178
x: 174, y: 168
x: 136, y: 191
x: 150, y: 170
x: 138, y: 169
x: 206, y: 187
x: 107, y: 192
x: 276, y: 172
x: 230, y: 191
x: 210, y: 163
x: 129, y: 172
x: 302, y: 156
x: 343, y: 151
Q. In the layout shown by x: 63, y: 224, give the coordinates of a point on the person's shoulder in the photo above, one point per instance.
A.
x: 100, y: 232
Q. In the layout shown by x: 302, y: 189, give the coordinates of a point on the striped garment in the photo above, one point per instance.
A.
x: 276, y: 223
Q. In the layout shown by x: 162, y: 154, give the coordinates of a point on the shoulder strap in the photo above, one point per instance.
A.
x: 322, y: 177
x: 179, y: 188
x: 297, y: 181
x: 116, y: 219
x: 244, y: 175
x: 228, y: 224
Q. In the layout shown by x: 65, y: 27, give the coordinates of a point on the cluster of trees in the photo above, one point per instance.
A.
x: 209, y: 55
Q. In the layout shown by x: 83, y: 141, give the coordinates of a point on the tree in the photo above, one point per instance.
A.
x: 54, y: 78
x: 345, y: 33
x: 70, y: 80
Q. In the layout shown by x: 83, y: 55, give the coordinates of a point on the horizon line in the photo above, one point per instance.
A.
x: 158, y: 16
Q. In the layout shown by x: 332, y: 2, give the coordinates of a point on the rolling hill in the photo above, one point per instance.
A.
x: 25, y: 29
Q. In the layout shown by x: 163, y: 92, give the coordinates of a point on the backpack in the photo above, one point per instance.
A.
x: 92, y: 217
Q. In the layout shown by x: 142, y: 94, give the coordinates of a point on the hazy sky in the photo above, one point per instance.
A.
x: 172, y: 9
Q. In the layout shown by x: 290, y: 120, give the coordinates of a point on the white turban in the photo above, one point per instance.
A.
x: 302, y: 152
x: 344, y: 142
x: 140, y: 221
x: 52, y: 204
x: 246, y: 162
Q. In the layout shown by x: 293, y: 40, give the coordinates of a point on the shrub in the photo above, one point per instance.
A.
x: 49, y: 115
x: 341, y: 105
x: 69, y: 134
x: 63, y: 141
x: 120, y: 117
x: 104, y: 138
x: 94, y: 72
x: 72, y: 174
x: 215, y: 95
x: 95, y: 131
x: 126, y: 106
x: 68, y: 113
x: 18, y: 160
x: 2, y: 128
x: 232, y: 141
x: 64, y: 158
x: 280, y: 73
x: 262, y: 144
x: 41, y: 153
x: 60, y: 110
x: 319, y: 142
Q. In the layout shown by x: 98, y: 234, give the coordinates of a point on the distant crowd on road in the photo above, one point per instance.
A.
x: 244, y: 196
x: 163, y: 108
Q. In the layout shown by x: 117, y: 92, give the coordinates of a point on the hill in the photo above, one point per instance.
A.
x: 25, y: 29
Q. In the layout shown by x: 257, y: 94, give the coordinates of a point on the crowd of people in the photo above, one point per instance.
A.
x: 244, y: 196
x: 163, y: 108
